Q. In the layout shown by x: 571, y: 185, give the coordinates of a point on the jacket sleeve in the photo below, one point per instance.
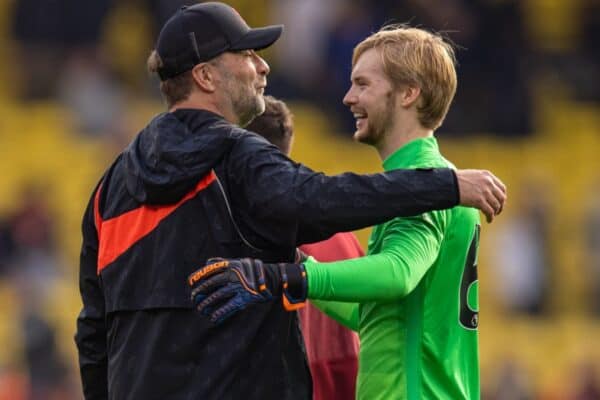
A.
x: 91, y: 329
x: 286, y: 203
x: 410, y: 247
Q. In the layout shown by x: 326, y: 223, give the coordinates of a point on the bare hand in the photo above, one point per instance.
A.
x: 482, y: 190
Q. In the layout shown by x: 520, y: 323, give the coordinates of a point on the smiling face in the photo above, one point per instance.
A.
x: 371, y: 99
x: 243, y: 78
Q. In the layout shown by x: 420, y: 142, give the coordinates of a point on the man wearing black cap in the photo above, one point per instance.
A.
x: 193, y: 185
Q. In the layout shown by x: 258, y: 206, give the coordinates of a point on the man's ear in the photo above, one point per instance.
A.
x: 409, y: 95
x: 204, y: 76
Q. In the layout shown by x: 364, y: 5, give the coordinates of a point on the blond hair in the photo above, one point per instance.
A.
x: 413, y: 56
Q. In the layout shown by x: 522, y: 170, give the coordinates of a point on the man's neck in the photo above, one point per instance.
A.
x: 203, y: 105
x: 400, y: 136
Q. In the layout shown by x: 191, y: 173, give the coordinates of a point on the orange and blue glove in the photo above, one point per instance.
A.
x: 225, y: 286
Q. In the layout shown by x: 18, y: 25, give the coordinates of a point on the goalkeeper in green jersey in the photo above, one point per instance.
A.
x: 413, y: 298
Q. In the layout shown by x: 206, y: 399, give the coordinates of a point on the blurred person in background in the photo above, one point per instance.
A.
x: 33, y: 264
x: 510, y: 383
x: 331, y: 349
x: 194, y: 184
x: 13, y: 383
x: 414, y: 298
x: 60, y: 51
x: 7, y: 247
x: 47, y: 369
x: 32, y: 268
x: 579, y: 64
x: 592, y: 247
x: 301, y: 69
x: 49, y: 34
x: 352, y: 23
x: 585, y: 384
x: 62, y: 56
x: 589, y: 88
x: 522, y: 258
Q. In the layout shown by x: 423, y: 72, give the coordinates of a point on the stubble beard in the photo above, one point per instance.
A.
x: 248, y: 107
x: 378, y: 125
x: 245, y: 104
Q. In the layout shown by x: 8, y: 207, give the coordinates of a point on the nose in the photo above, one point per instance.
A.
x: 350, y: 97
x: 261, y: 65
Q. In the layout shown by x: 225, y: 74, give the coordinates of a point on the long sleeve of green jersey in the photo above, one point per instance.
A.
x: 343, y: 312
x: 410, y: 247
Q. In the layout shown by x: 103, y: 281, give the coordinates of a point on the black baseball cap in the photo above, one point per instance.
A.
x: 198, y: 33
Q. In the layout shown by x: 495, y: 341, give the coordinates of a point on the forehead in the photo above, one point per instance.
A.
x: 369, y: 64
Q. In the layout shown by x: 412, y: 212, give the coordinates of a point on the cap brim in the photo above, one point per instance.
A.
x: 258, y: 38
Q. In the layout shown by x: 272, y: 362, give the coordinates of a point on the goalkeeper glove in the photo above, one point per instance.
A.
x: 225, y: 286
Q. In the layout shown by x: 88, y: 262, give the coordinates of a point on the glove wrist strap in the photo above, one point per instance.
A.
x: 295, y: 288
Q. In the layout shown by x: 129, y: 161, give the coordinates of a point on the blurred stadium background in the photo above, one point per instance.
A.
x: 73, y: 92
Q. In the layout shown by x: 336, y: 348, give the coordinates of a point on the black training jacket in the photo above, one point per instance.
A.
x: 189, y: 187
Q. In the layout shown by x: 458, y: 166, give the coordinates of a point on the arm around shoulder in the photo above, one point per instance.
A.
x: 313, y: 206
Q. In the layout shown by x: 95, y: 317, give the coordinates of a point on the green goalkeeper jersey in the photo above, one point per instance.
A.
x: 413, y: 298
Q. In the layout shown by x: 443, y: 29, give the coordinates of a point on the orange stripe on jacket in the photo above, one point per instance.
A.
x: 116, y: 235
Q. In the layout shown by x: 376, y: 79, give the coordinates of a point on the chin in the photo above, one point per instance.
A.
x: 247, y: 117
x: 365, y: 136
x: 357, y: 136
x: 260, y: 105
x: 361, y: 136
